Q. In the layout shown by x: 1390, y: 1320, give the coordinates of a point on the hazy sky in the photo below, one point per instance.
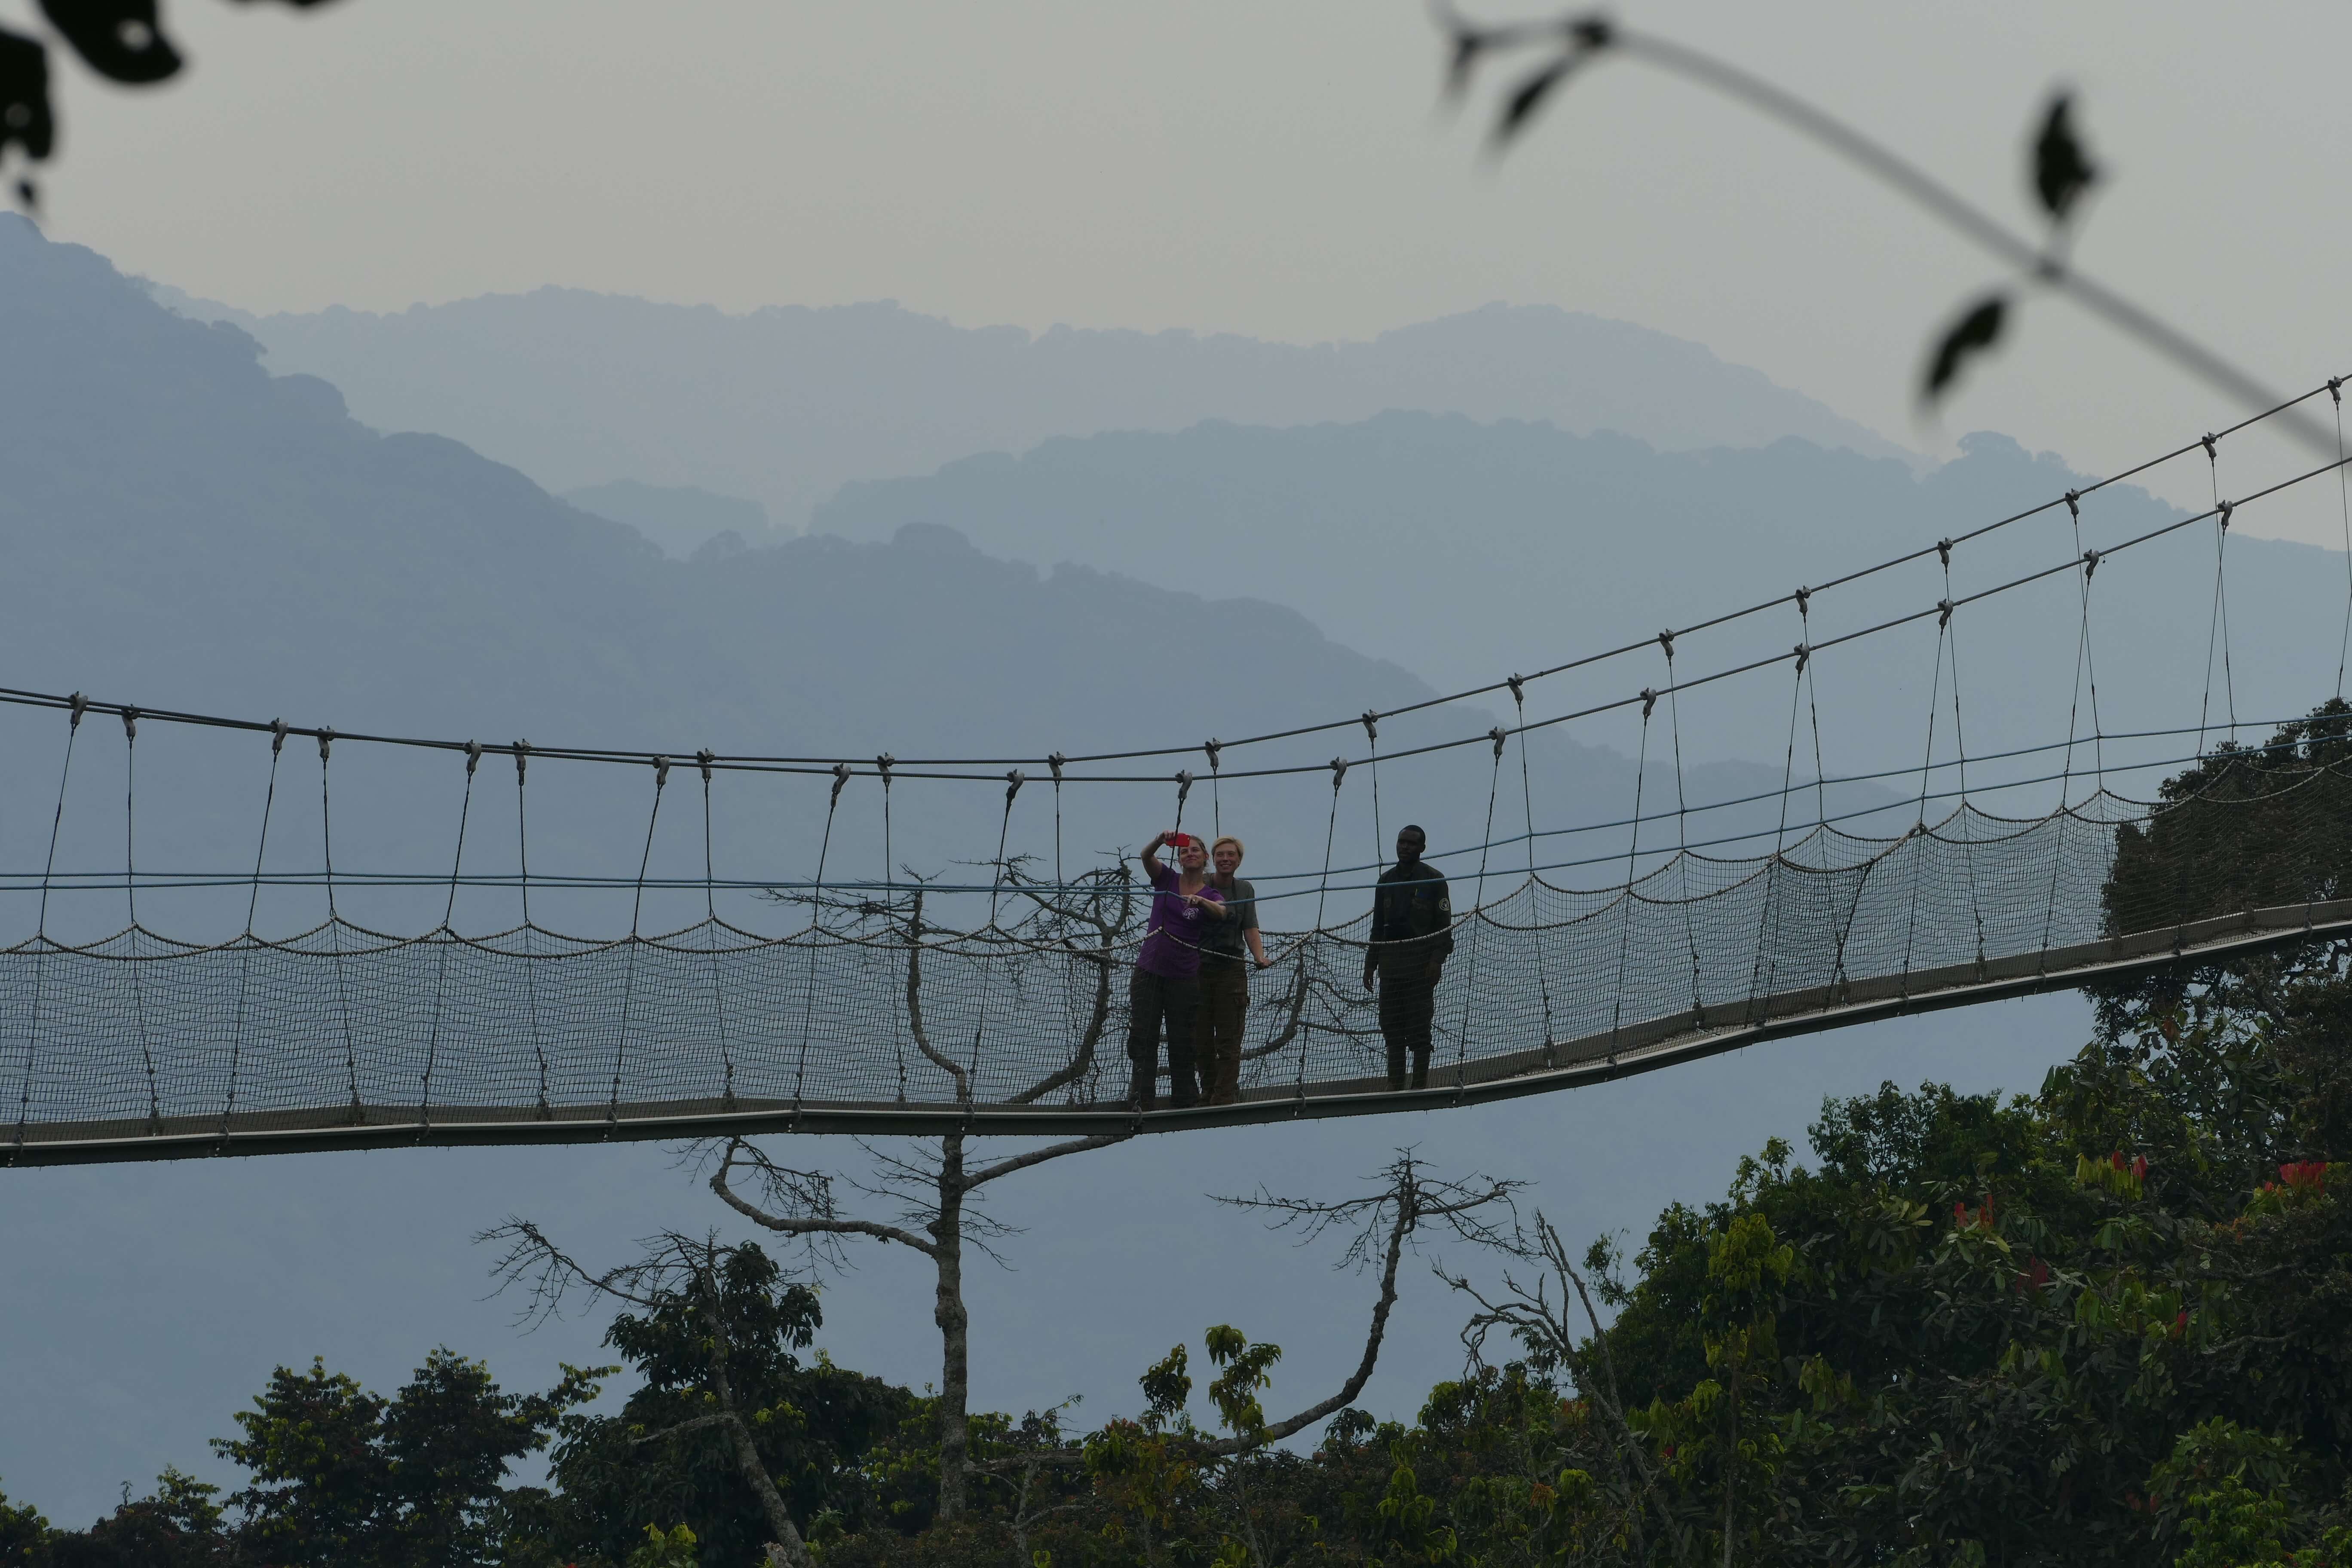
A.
x: 1280, y: 170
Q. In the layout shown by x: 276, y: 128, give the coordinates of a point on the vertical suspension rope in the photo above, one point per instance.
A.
x: 882, y: 765
x: 2218, y: 630
x: 1322, y: 894
x: 1919, y: 835
x: 1812, y: 705
x: 1372, y: 721
x: 335, y: 927
x: 1961, y: 752
x: 1213, y: 747
x: 278, y: 732
x: 703, y: 760
x: 130, y: 897
x: 1534, y: 892
x: 1061, y: 882
x: 1478, y: 909
x: 637, y: 917
x: 529, y: 945
x: 1013, y: 780
x: 76, y: 706
x: 1633, y: 849
x: 447, y: 939
x: 2343, y: 501
x: 841, y: 776
x: 1682, y: 827
x: 1762, y: 977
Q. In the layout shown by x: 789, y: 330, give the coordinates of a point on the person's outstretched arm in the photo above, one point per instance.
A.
x: 1151, y: 854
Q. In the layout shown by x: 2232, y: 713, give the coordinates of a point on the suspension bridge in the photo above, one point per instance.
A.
x: 988, y: 994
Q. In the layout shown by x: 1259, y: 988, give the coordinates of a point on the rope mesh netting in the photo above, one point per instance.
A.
x: 896, y: 1004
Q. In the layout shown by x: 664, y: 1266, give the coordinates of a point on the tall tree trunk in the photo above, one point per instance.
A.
x: 955, y: 1339
x: 788, y: 1545
x: 1731, y: 1453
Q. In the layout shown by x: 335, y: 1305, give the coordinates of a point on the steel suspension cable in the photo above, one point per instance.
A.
x: 245, y: 958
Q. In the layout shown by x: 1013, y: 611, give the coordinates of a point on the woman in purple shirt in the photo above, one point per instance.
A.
x: 1166, y: 986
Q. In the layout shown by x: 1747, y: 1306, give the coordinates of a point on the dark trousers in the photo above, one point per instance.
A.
x: 1154, y: 1001
x: 1408, y: 1008
x: 1224, y: 1011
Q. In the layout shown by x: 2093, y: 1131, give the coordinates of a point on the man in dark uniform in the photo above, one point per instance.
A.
x: 1413, y: 932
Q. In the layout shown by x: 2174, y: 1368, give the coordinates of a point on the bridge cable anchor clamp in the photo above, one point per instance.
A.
x: 2336, y: 389
x: 1944, y: 615
x: 1054, y: 762
x: 1649, y: 700
x: 130, y: 723
x: 840, y: 781
x: 1013, y: 782
x: 2074, y: 505
x: 278, y: 731
x: 473, y: 757
x: 1804, y: 597
x: 1803, y: 652
x: 1183, y: 788
x: 1498, y: 735
x: 2225, y: 508
x: 882, y: 764
x: 1944, y: 553
x: 2211, y: 442
x: 77, y: 705
x: 1518, y: 685
x: 522, y: 750
x: 2090, y: 563
x: 703, y: 759
x: 661, y: 773
x: 1666, y: 641
x: 1213, y: 746
x: 1338, y: 772
x: 1372, y: 726
x: 326, y: 741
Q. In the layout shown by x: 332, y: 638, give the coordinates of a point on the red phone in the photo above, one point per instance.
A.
x: 1178, y: 840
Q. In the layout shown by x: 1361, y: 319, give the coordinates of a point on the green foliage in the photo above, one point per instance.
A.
x: 831, y: 1438
x: 675, y: 1549
x: 348, y: 1477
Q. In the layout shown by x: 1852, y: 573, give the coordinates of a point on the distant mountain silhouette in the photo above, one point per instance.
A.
x: 681, y: 519
x: 1467, y: 550
x: 786, y: 404
x: 182, y: 529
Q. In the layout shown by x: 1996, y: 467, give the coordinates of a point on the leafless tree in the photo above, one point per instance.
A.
x: 934, y: 1192
x: 674, y: 1267
x: 1379, y: 1226
x: 1536, y: 1312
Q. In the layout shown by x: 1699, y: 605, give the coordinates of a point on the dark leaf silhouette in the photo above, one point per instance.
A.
x: 121, y: 39
x: 1529, y: 96
x: 2062, y: 170
x: 25, y: 118
x: 1971, y: 334
x: 1468, y: 44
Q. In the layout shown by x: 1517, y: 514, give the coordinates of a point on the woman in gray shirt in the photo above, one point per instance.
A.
x: 1224, y: 977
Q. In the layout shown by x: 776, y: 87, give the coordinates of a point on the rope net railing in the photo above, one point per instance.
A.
x: 992, y: 990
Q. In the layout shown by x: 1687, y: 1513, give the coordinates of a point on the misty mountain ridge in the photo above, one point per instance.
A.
x: 1466, y: 550
x: 180, y: 528
x: 785, y: 404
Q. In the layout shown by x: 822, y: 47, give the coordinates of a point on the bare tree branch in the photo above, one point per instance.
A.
x: 1039, y: 1156
x: 1384, y: 1223
x: 804, y: 1199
